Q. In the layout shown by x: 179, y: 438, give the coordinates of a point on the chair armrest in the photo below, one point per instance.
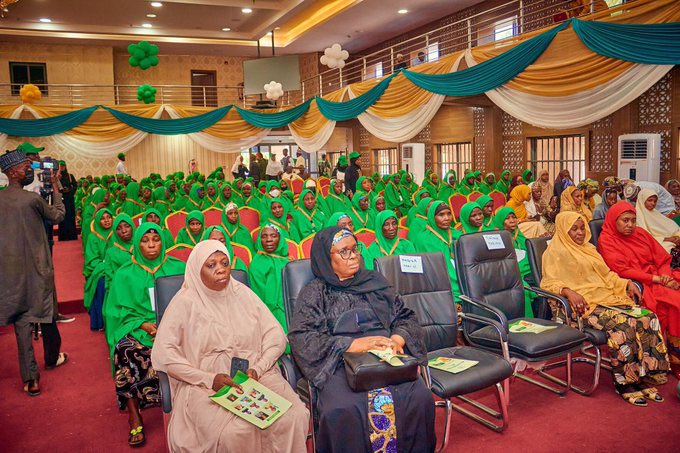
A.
x: 502, y: 332
x: 561, y: 299
x: 289, y: 370
x: 166, y: 394
x: 488, y: 308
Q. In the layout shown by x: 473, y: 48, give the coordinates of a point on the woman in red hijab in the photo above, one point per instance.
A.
x: 633, y: 253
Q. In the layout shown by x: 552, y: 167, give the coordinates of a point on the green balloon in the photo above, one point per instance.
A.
x: 153, y: 60
x: 153, y: 50
x: 131, y: 48
x: 139, y: 54
x: 145, y: 63
x: 133, y: 62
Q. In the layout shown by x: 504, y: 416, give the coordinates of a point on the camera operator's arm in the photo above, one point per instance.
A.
x: 55, y: 212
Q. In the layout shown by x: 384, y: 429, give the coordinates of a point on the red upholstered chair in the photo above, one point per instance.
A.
x: 213, y: 216
x: 402, y: 222
x: 180, y: 251
x: 456, y: 201
x: 254, y: 233
x: 296, y: 185
x: 250, y: 217
x: 474, y: 195
x: 137, y: 220
x: 175, y: 222
x: 403, y: 233
x: 293, y: 250
x: 306, y: 246
x: 243, y: 252
x: 366, y: 236
x: 324, y: 184
x: 498, y: 198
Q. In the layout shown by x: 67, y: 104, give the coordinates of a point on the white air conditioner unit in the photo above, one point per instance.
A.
x: 413, y: 159
x: 639, y: 157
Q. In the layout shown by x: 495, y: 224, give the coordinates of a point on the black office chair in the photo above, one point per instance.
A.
x: 595, y: 230
x: 492, y: 287
x: 429, y: 295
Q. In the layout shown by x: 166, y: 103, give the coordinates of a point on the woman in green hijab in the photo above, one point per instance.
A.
x: 99, y: 199
x: 447, y: 187
x: 438, y: 236
x: 419, y: 195
x: 308, y: 218
x: 229, y: 195
x: 119, y: 249
x: 505, y: 219
x: 396, y: 196
x: 93, y: 268
x: 378, y: 184
x: 193, y: 229
x: 237, y: 232
x: 361, y: 214
x: 365, y: 185
x: 340, y: 219
x: 132, y: 204
x: 131, y: 325
x: 378, y: 205
x: 503, y: 182
x: 431, y: 183
x: 218, y: 233
x: 486, y: 203
x: 266, y: 267
x: 277, y: 214
x: 336, y: 200
x: 161, y: 203
x: 528, y: 176
x: 419, y: 221
x: 488, y: 185
x: 468, y: 184
x: 251, y: 196
x: 472, y: 219
x: 387, y: 240
x: 195, y: 199
x: 154, y: 216
x: 212, y: 197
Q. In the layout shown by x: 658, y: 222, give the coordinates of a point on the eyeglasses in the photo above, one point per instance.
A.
x: 346, y: 254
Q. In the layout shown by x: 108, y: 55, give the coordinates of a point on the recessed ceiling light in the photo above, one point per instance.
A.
x: 226, y: 29
x: 269, y: 33
x: 246, y: 10
x: 151, y: 16
x: 156, y: 4
x: 45, y: 20
x: 147, y: 25
x: 402, y: 11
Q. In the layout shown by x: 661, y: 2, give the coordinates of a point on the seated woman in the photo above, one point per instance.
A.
x: 336, y: 200
x: 207, y: 324
x: 131, y: 325
x: 161, y: 204
x: 531, y: 228
x: 365, y: 185
x: 610, y: 197
x: 266, y: 267
x: 193, y: 229
x: 361, y: 214
x: 431, y: 183
x: 572, y: 200
x: 321, y: 331
x: 378, y: 204
x: 486, y: 204
x: 633, y: 253
x: 231, y: 222
x: 387, y: 240
x: 93, y: 270
x: 397, y: 197
x: 340, y: 219
x: 277, y: 215
x: 308, y: 218
x: 472, y: 219
x: 195, y: 200
x: 661, y: 227
x: 251, y: 196
x: 217, y: 233
x: 154, y: 216
x: 447, y: 188
x: 419, y: 220
x: 132, y: 204
x: 211, y: 198
x: 503, y: 184
x: 573, y: 268
x: 228, y: 195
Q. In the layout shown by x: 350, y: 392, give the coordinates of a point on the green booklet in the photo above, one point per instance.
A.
x: 635, y: 312
x: 388, y: 356
x: 522, y: 326
x: 451, y: 365
x: 255, y: 404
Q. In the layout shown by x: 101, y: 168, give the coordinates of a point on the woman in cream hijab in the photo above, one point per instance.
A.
x: 530, y: 227
x: 664, y: 230
x: 210, y: 321
x: 573, y: 268
x: 572, y: 200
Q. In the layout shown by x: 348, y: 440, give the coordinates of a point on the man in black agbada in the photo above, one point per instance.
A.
x: 353, y: 172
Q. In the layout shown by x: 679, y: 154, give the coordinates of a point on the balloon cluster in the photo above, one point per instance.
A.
x: 30, y: 93
x: 274, y: 90
x: 143, y: 55
x: 334, y: 56
x: 146, y: 93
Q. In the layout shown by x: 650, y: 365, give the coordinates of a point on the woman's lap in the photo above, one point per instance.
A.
x: 134, y: 375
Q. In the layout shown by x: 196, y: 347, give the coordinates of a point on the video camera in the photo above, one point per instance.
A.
x: 48, y: 166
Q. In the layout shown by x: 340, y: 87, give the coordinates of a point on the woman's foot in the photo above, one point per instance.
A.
x: 32, y: 387
x: 651, y: 393
x: 631, y: 394
x: 136, y: 437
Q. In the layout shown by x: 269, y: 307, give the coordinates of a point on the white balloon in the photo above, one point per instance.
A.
x: 333, y: 63
x: 323, y: 59
x: 336, y: 47
x: 341, y: 64
x: 328, y: 52
x: 344, y: 55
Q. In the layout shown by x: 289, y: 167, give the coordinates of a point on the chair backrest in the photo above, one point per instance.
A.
x: 306, y: 246
x: 295, y: 276
x: 474, y: 195
x: 241, y: 276
x: 293, y: 250
x: 366, y: 236
x: 175, y: 222
x: 296, y: 185
x: 498, y: 198
x: 487, y: 270
x: 403, y: 233
x: 243, y: 252
x: 180, y: 251
x: 324, y: 185
x: 456, y: 201
x: 254, y: 233
x: 250, y: 217
x: 428, y: 294
x: 535, y: 249
x: 213, y: 216
x: 402, y: 222
x: 595, y: 230
x: 137, y: 219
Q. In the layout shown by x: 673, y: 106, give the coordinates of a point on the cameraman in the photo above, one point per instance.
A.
x: 27, y: 295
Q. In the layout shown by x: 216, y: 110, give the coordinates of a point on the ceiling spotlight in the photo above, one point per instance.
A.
x: 269, y: 33
x: 246, y: 10
x: 156, y: 4
x: 226, y: 29
x: 151, y: 16
x: 402, y: 11
x: 147, y: 25
x: 45, y: 20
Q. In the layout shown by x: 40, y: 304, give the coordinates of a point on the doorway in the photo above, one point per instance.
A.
x: 203, y: 88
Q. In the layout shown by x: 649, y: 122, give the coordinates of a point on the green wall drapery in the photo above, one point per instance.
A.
x: 44, y: 127
x: 273, y: 120
x: 342, y: 111
x: 171, y: 127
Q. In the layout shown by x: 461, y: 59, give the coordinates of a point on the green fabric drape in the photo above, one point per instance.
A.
x: 45, y: 127
x: 489, y: 74
x: 171, y: 127
x: 639, y: 43
x: 343, y: 111
x: 273, y: 120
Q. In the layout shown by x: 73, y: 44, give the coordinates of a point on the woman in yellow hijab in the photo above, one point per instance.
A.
x: 573, y: 268
x: 530, y: 227
x: 572, y: 200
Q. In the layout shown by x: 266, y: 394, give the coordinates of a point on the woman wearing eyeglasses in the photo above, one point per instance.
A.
x: 348, y: 308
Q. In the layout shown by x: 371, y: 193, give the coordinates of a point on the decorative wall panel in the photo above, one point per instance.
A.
x: 603, y: 147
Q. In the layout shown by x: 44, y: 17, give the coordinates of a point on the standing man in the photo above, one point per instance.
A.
x: 299, y: 164
x: 285, y: 160
x: 32, y: 152
x: 262, y: 166
x: 353, y: 172
x: 324, y: 167
x: 28, y: 293
x: 274, y: 169
x: 120, y: 168
x: 69, y: 185
x: 254, y: 169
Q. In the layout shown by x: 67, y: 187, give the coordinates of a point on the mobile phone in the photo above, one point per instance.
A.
x: 239, y: 364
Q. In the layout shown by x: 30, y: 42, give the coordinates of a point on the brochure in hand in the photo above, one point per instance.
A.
x: 635, y: 312
x: 522, y: 326
x: 388, y: 356
x: 255, y: 404
x: 451, y: 365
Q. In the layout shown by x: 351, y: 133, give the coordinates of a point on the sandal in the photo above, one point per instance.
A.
x: 652, y: 394
x: 631, y: 394
x: 655, y: 379
x: 62, y: 359
x: 32, y: 387
x: 134, y: 433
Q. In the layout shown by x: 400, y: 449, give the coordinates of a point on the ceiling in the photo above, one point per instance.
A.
x: 195, y: 26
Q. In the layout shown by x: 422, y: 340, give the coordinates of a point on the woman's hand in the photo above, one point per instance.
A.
x: 633, y: 292
x: 149, y: 328
x: 577, y: 302
x: 666, y: 280
x: 222, y: 379
x: 398, y: 344
x: 252, y: 374
x: 674, y: 239
x: 365, y: 344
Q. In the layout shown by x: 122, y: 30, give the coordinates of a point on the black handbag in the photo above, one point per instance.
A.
x: 366, y: 371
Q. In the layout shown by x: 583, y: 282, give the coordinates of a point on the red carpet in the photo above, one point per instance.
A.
x: 68, y: 275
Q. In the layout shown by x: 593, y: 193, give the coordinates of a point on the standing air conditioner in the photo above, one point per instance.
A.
x: 639, y: 157
x: 413, y: 159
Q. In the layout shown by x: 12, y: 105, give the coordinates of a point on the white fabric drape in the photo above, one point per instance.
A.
x: 405, y: 127
x: 220, y: 145
x: 580, y: 109
x: 317, y: 141
x: 16, y: 114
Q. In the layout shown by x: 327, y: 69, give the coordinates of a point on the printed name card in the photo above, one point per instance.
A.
x: 411, y: 264
x: 152, y: 297
x: 521, y: 254
x: 494, y: 242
